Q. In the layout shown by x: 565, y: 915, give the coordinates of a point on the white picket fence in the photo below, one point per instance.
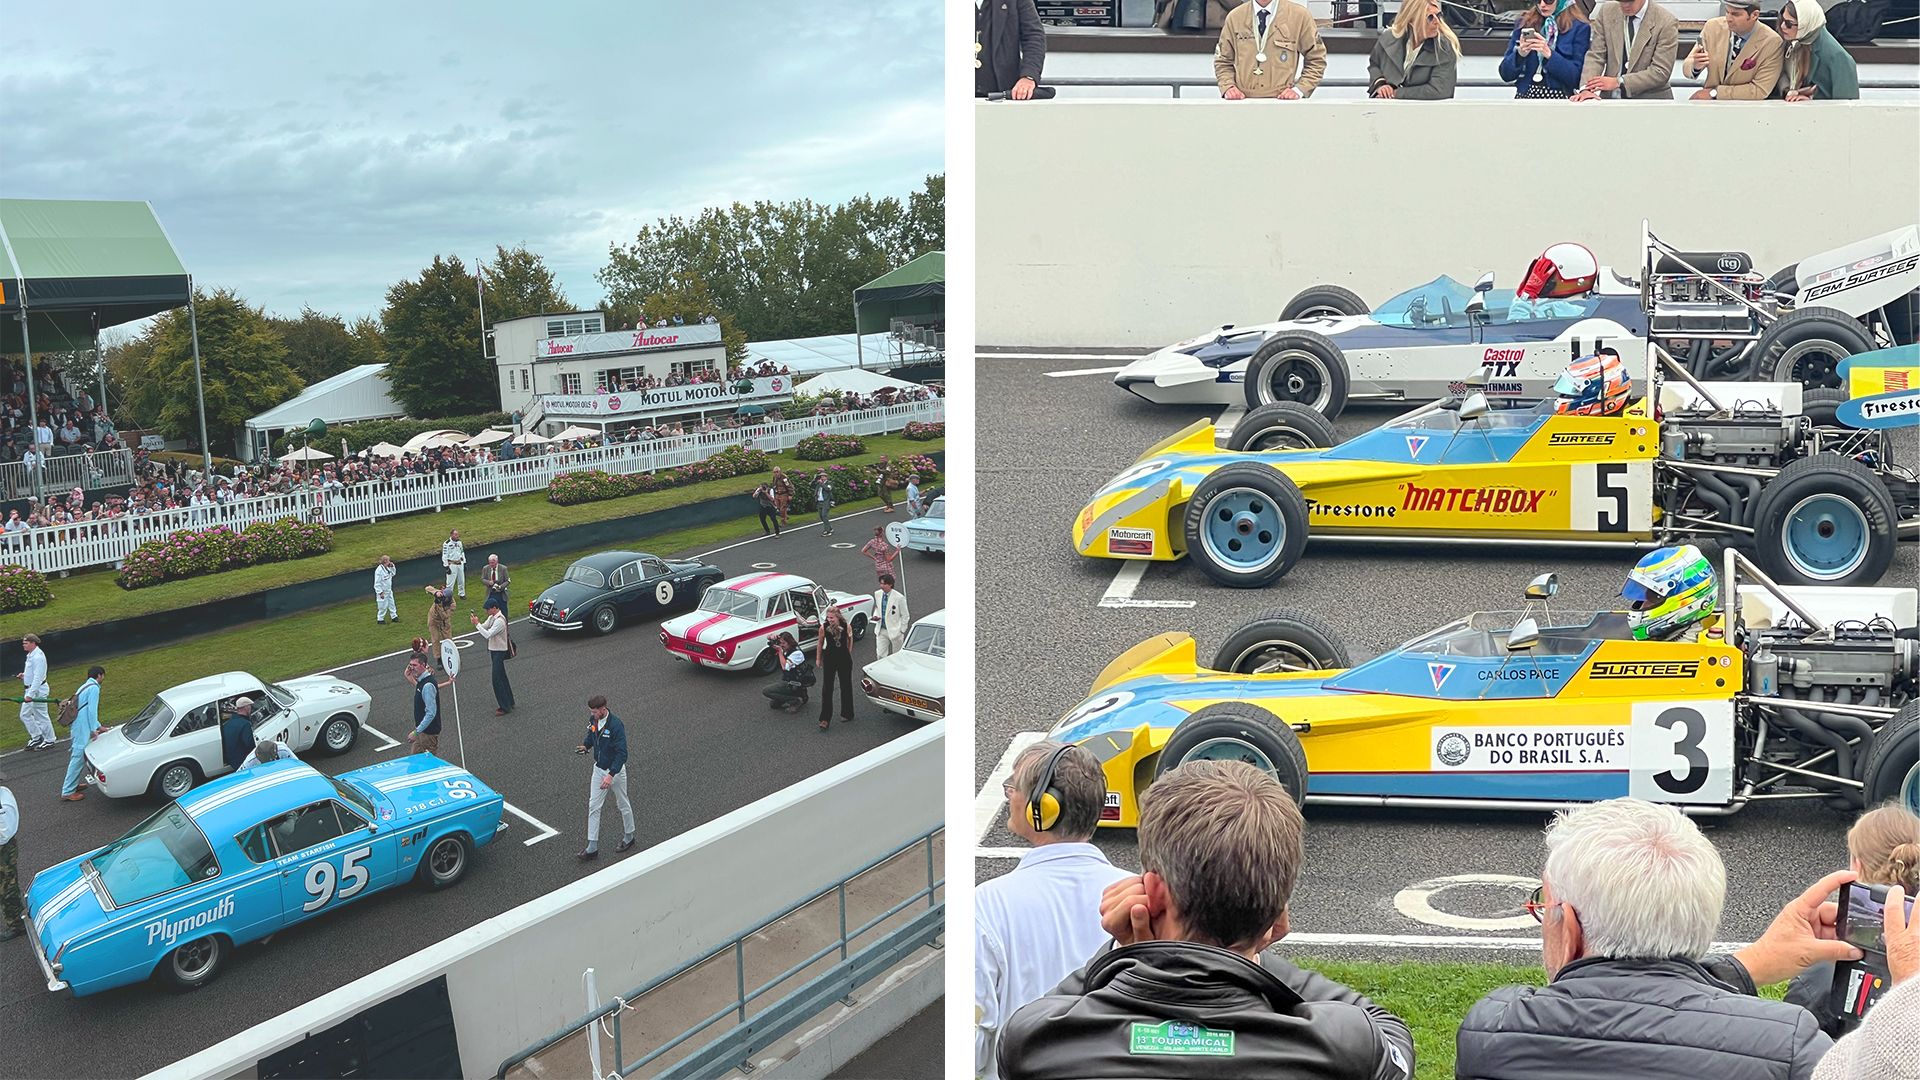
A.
x: 107, y: 543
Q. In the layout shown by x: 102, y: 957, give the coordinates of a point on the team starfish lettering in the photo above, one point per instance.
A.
x: 168, y: 929
x: 1473, y: 500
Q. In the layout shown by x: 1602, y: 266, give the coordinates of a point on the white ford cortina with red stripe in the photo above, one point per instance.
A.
x: 729, y: 629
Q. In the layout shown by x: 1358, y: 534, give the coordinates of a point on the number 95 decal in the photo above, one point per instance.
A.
x: 324, y: 883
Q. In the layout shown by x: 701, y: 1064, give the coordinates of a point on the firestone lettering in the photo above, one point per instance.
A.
x: 167, y: 930
x: 1472, y: 500
x: 1361, y: 511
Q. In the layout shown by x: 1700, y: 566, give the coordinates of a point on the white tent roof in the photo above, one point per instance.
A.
x: 853, y: 381
x: 439, y: 437
x: 360, y: 393
x: 805, y: 356
x: 306, y: 453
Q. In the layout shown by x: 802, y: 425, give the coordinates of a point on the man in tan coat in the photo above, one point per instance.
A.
x: 1632, y: 53
x: 1269, y: 49
x: 1740, y: 54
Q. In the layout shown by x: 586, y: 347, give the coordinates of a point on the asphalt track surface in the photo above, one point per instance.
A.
x: 700, y: 743
x: 1046, y: 444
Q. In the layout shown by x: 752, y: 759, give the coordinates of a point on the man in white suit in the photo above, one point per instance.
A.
x: 890, y: 618
x: 453, y: 556
x: 1635, y: 45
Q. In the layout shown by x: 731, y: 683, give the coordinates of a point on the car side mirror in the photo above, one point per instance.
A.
x: 1524, y: 635
x: 1544, y: 587
x: 1474, y: 407
x: 1485, y: 284
x: 1477, y: 306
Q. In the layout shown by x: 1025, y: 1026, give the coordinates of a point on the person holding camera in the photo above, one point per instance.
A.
x: 796, y: 674
x: 1416, y: 58
x: 1547, y: 51
x: 1884, y: 849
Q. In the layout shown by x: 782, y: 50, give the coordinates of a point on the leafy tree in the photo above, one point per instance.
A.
x: 134, y: 397
x: 243, y: 366
x: 519, y: 284
x: 777, y: 269
x: 432, y: 330
x: 692, y: 302
x: 320, y: 345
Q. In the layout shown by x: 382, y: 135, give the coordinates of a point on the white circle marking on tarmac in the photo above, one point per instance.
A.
x: 764, y: 565
x: 1416, y: 902
x: 843, y: 545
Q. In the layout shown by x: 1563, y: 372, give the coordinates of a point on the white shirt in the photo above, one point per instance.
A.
x: 36, y: 670
x: 453, y: 551
x: 1033, y: 927
x: 9, y: 815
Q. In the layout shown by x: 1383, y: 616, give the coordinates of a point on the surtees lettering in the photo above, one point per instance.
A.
x: 1646, y: 669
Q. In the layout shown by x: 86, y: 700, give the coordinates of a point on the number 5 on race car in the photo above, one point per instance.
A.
x: 1612, y: 497
x: 1681, y: 752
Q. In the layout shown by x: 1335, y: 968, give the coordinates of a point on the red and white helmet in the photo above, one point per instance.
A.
x: 1562, y: 270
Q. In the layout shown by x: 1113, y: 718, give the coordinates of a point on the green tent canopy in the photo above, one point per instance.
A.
x: 83, y: 265
x: 915, y: 288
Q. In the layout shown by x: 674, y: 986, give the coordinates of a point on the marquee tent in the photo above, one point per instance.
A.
x: 854, y: 381
x: 918, y: 287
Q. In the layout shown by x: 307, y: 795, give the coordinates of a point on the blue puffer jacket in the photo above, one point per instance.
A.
x: 1563, y: 64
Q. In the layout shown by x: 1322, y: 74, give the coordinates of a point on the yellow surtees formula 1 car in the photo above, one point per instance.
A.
x: 1820, y: 504
x: 1812, y: 690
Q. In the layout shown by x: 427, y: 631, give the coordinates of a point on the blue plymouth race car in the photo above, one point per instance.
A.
x: 247, y: 856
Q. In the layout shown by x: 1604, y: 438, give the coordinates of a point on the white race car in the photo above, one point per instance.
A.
x: 928, y: 532
x: 174, y: 743
x: 913, y: 681
x: 729, y: 629
x: 1722, y: 320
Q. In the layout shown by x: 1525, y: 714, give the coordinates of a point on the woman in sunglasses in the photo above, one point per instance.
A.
x: 1816, y: 67
x: 1547, y: 50
x: 1416, y: 58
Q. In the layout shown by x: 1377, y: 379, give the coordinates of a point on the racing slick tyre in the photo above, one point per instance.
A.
x: 1282, y: 641
x: 445, y: 862
x: 1821, y: 404
x: 1246, y: 525
x: 174, y: 779
x: 1824, y: 520
x: 859, y: 627
x: 1806, y: 346
x: 1239, y: 731
x: 193, y: 964
x: 1324, y: 300
x: 338, y: 734
x: 1893, y: 757
x: 1283, y: 425
x: 604, y: 619
x: 767, y: 662
x: 1298, y: 366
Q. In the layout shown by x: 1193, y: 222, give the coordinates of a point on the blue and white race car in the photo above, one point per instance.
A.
x: 247, y: 856
x: 928, y: 532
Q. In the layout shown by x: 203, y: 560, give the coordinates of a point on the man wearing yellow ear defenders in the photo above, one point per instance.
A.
x: 1037, y: 924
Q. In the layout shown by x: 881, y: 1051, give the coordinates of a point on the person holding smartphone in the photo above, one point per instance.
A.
x: 1547, y: 51
x: 1737, y: 53
x: 1884, y: 848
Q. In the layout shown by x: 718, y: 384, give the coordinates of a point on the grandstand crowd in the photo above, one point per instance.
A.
x: 1085, y: 970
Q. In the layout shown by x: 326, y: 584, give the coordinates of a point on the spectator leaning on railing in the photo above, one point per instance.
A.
x: 1547, y: 51
x: 1633, y: 52
x: 1815, y: 67
x: 1738, y: 53
x: 1009, y: 48
x: 1629, y: 900
x: 1269, y: 49
x: 1415, y: 59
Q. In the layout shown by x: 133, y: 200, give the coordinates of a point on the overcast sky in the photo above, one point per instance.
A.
x: 315, y: 154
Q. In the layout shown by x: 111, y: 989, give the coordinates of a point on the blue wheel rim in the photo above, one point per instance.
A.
x: 1227, y: 749
x: 1826, y: 537
x: 1243, y: 530
x: 1910, y: 791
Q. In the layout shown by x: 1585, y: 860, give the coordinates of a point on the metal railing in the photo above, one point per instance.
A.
x: 752, y: 1033
x: 56, y: 548
x: 60, y: 472
x: 1177, y: 83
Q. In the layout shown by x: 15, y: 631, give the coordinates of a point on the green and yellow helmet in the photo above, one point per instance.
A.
x: 1669, y: 590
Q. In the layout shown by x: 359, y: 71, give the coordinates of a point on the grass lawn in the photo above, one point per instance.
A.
x: 91, y: 596
x: 312, y: 641
x: 1434, y: 998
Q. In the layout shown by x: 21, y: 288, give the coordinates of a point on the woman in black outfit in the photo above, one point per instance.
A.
x: 835, y: 658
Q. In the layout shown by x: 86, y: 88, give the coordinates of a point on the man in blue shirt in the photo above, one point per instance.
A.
x: 607, y: 741
x: 425, y: 735
x: 236, y: 733
x: 85, y: 723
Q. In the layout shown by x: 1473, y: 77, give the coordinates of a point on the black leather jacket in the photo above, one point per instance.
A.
x: 1166, y: 1009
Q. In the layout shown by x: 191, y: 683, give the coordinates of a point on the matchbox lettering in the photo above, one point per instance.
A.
x: 1473, y: 500
x: 1585, y: 748
x: 1179, y: 1038
x: 167, y: 930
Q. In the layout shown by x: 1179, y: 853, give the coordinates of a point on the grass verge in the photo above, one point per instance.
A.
x: 323, y: 638
x: 1434, y: 998
x: 91, y: 596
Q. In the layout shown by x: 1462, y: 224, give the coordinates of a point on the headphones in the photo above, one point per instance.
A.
x: 1043, y: 802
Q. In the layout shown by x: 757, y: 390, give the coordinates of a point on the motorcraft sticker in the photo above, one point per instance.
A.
x: 1180, y: 1039
x: 1121, y: 541
x: 1110, y: 811
x: 1552, y: 748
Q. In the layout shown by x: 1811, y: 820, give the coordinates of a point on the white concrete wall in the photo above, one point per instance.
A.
x: 1125, y: 223
x: 515, y: 978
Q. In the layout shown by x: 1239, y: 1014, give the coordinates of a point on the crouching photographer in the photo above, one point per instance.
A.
x: 796, y: 674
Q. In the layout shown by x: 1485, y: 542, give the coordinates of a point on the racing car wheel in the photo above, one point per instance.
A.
x: 1239, y: 731
x: 1806, y: 346
x: 1282, y: 641
x: 1321, y: 301
x: 1824, y: 520
x: 1283, y: 425
x: 1298, y: 366
x: 1245, y: 525
x: 1892, y: 768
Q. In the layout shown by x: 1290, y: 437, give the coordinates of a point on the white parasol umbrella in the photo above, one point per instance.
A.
x: 385, y: 449
x: 489, y: 437
x: 442, y: 437
x: 528, y: 438
x: 577, y: 432
x: 306, y: 453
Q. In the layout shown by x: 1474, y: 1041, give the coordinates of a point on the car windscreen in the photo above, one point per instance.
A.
x: 163, y: 853
x: 281, y: 695
x: 153, y: 722
x: 354, y: 797
x: 939, y: 508
x: 928, y: 639
x: 729, y: 602
x: 586, y: 575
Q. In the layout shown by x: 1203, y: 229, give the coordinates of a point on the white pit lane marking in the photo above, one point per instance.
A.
x: 387, y: 742
x: 986, y: 807
x: 764, y: 565
x: 1416, y: 902
x: 1083, y: 371
x: 546, y: 830
x: 1120, y: 593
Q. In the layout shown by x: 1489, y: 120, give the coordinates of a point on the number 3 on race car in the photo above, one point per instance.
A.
x: 1682, y: 752
x: 1613, y: 497
x: 324, y: 883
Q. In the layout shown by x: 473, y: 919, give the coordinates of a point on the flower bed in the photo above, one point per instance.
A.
x: 920, y: 432
x: 828, y: 447
x: 851, y: 482
x: 21, y: 588
x: 592, y: 485
x: 193, y: 552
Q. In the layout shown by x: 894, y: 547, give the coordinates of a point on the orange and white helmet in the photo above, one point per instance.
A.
x: 1594, y: 385
x: 1562, y: 270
